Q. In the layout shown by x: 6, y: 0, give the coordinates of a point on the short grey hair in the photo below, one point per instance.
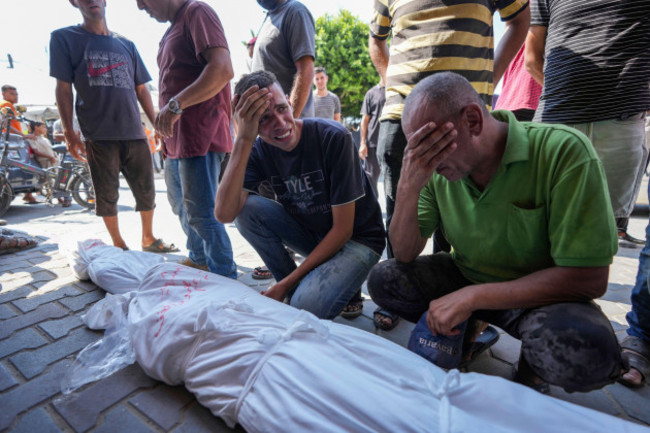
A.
x: 448, y: 92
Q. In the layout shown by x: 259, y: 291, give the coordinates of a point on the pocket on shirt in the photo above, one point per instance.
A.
x: 528, y: 233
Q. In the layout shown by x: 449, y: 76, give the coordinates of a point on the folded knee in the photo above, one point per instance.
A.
x: 314, y: 304
x: 581, y: 357
x: 379, y: 278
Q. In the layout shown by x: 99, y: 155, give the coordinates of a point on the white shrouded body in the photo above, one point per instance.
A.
x: 272, y: 368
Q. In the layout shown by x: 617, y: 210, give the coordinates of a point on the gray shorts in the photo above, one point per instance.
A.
x: 622, y: 148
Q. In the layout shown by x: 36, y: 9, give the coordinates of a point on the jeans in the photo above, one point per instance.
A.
x: 194, y: 243
x: 328, y: 288
x: 639, y: 317
x: 569, y: 344
x: 198, y: 176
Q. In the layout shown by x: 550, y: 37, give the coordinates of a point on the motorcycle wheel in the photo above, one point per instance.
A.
x: 83, y: 192
x: 6, y: 195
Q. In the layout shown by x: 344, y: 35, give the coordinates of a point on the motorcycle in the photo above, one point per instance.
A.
x: 19, y: 172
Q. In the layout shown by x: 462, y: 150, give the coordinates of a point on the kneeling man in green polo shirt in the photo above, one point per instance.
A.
x: 526, y: 210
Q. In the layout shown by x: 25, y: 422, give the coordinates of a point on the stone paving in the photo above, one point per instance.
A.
x: 41, y: 332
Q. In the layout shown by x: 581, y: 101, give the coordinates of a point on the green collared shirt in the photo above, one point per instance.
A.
x: 547, y: 205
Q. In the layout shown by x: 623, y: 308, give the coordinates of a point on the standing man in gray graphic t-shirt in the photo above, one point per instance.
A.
x: 286, y: 46
x: 326, y: 104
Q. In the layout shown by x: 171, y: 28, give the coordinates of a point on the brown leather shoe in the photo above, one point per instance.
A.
x: 188, y: 262
x: 623, y: 235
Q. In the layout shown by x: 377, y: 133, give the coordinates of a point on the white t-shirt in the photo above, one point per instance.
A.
x: 42, y: 145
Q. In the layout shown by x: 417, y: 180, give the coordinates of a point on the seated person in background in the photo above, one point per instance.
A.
x: 41, y: 146
x: 44, y: 154
x: 326, y: 210
x: 526, y: 210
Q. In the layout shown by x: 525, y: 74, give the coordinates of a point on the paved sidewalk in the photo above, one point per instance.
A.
x: 41, y: 331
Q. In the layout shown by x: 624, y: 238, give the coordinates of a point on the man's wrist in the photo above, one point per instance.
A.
x: 244, y: 141
x: 473, y: 296
x: 174, y: 106
x: 295, y: 277
x: 406, y: 191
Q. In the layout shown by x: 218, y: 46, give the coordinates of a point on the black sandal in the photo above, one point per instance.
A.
x: 352, y: 310
x: 158, y: 246
x: 486, y: 339
x: 262, y: 273
x: 394, y: 319
x: 637, y: 351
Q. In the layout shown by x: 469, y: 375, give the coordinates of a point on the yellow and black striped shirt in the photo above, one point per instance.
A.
x: 434, y: 35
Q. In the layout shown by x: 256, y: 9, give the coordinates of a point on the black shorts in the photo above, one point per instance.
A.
x: 107, y: 159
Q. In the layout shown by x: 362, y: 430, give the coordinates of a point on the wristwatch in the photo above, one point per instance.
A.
x: 174, y: 106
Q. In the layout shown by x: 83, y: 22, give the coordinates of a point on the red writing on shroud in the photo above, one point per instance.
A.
x: 170, y: 281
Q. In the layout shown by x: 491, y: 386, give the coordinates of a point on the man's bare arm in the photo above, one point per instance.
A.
x: 231, y: 196
x: 216, y: 74
x: 512, y: 39
x: 247, y: 109
x: 534, y: 57
x: 425, y: 150
x: 547, y: 286
x: 379, y: 55
x: 144, y: 98
x: 302, y: 84
x: 404, y: 232
x: 64, y: 103
x: 363, y: 146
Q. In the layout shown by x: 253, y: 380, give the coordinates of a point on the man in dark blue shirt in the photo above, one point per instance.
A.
x: 325, y: 208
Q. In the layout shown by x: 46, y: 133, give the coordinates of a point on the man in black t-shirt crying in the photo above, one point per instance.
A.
x: 325, y: 209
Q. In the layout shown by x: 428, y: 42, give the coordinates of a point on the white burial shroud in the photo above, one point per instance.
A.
x: 272, y: 368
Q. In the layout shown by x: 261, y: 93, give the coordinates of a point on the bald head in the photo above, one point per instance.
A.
x: 445, y: 93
